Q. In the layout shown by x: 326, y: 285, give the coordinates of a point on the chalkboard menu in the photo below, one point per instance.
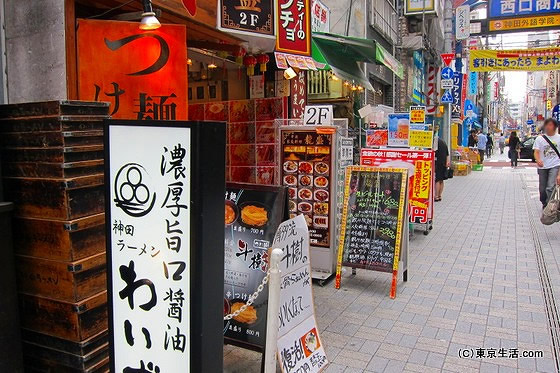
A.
x: 372, y: 219
x: 252, y: 215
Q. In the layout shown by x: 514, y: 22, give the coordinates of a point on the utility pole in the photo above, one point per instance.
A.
x: 485, y: 90
x: 448, y: 32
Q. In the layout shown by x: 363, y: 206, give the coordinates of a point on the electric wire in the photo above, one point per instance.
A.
x: 112, y: 9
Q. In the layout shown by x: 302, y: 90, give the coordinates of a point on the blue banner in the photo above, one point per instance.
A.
x: 473, y: 83
x: 456, y: 92
x: 517, y: 8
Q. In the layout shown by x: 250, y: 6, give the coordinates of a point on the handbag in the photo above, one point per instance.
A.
x: 551, y: 213
x: 449, y: 173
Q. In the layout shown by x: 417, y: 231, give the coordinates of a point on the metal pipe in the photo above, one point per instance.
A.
x: 272, y: 312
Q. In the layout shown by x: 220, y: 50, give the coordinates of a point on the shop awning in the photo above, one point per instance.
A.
x: 343, y: 53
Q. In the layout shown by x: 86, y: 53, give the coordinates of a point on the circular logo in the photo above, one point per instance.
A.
x: 132, y: 193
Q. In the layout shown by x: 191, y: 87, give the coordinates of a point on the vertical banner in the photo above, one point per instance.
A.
x: 154, y: 227
x: 463, y: 94
x: 298, y: 90
x: 300, y: 348
x: 456, y: 92
x: 294, y: 27
x: 473, y: 83
x: 142, y: 74
x: 463, y: 22
x: 432, y: 96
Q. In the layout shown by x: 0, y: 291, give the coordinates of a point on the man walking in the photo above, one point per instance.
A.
x: 548, y: 159
x: 481, y: 145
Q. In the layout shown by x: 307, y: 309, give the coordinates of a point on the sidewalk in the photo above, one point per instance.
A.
x: 473, y: 283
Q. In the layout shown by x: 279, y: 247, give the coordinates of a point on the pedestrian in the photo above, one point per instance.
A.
x: 442, y: 165
x: 514, y: 148
x: 472, y: 139
x: 481, y: 144
x: 502, y: 143
x: 489, y: 145
x: 548, y: 159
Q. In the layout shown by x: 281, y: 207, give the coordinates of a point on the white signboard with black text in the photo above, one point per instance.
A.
x: 300, y: 348
x: 150, y: 186
x: 318, y: 115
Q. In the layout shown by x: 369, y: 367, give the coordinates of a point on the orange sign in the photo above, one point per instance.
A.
x: 143, y: 74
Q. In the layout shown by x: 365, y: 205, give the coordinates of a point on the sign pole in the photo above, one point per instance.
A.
x: 272, y: 312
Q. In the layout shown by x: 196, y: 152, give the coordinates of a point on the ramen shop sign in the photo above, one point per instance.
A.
x: 254, y: 16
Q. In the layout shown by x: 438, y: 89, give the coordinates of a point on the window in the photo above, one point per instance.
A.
x: 384, y: 18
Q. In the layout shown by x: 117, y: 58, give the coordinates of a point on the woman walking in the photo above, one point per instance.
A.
x: 514, y: 147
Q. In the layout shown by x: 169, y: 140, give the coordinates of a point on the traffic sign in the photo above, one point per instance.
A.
x: 530, y: 121
x: 446, y: 73
x: 556, y: 112
x: 447, y: 97
x: 447, y: 58
x: 446, y: 83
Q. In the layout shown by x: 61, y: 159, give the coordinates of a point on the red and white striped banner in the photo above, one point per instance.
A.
x: 431, y: 97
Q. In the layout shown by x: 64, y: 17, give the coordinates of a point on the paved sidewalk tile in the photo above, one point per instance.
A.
x: 473, y: 284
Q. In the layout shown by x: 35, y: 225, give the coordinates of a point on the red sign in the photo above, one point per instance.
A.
x: 294, y: 27
x: 142, y: 74
x: 463, y: 96
x: 447, y: 58
x: 431, y: 97
x: 298, y: 95
x: 420, y: 183
x: 496, y: 90
x: 190, y: 6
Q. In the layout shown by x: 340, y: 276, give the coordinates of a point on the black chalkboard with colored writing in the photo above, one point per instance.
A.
x: 372, y: 219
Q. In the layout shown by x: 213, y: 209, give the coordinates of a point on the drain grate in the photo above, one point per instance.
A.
x: 551, y: 306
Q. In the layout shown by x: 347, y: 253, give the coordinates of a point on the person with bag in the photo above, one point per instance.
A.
x: 514, y: 148
x: 548, y: 159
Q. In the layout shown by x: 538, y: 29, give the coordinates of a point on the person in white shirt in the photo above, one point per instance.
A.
x: 547, y: 156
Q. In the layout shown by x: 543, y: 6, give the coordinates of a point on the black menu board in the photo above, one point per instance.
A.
x: 372, y: 219
x: 306, y: 171
x: 252, y: 215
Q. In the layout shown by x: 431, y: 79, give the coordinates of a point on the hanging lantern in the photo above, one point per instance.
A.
x: 263, y: 59
x: 250, y: 62
x: 239, y: 54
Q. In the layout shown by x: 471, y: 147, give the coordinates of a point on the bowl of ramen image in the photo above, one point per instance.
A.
x: 231, y: 212
x: 253, y: 214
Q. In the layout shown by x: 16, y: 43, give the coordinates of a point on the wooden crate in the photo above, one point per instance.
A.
x: 56, y: 123
x: 58, y: 355
x: 51, y: 139
x: 60, y: 199
x: 52, y: 155
x: 60, y: 240
x: 62, y: 281
x: 54, y: 108
x: 52, y: 170
x: 34, y: 365
x: 70, y: 321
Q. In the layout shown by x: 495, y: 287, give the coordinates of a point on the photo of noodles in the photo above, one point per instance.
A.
x: 230, y: 214
x: 249, y: 316
x: 254, y: 216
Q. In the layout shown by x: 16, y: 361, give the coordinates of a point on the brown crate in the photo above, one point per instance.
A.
x: 54, y: 108
x: 71, y: 321
x: 52, y: 170
x: 57, y: 123
x: 51, y: 139
x: 34, y: 365
x: 60, y: 199
x: 64, y: 356
x: 63, y: 281
x: 53, y: 155
x: 60, y: 240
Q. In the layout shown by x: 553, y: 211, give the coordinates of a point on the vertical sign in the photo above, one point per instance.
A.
x: 150, y: 193
x: 298, y: 99
x: 321, y: 14
x: 155, y: 229
x: 462, y: 22
x: 300, y: 349
x: 473, y: 83
x: 250, y: 16
x: 551, y: 86
x: 432, y: 96
x: 463, y: 94
x: 456, y: 106
x: 142, y: 74
x: 294, y: 27
x: 496, y: 90
x: 417, y: 114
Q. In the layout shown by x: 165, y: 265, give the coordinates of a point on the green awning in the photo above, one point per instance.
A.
x: 342, y: 54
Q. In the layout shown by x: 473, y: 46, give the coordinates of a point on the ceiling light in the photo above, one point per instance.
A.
x: 189, y: 61
x: 149, y: 20
x: 212, y: 65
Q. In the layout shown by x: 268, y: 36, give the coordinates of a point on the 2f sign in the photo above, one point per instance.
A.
x: 252, y: 20
x: 319, y: 115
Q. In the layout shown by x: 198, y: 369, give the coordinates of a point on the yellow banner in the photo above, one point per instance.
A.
x: 552, y: 20
x: 515, y: 60
x: 420, y: 139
